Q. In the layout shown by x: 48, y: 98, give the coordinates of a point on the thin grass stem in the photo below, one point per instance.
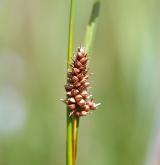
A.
x: 69, y: 146
x: 74, y: 139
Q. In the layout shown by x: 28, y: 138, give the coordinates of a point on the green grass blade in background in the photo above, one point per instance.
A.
x: 91, y: 28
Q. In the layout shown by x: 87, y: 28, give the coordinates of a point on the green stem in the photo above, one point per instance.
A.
x: 69, y: 146
x: 69, y: 140
x: 77, y: 126
x: 70, y: 39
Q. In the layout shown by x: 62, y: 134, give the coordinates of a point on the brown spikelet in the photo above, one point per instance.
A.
x: 78, y: 97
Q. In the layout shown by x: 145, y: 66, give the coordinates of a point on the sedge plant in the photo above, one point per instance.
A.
x: 78, y: 100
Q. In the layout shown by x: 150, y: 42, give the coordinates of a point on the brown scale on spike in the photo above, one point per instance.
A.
x: 78, y: 98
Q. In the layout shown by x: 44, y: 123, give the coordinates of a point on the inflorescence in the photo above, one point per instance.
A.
x: 79, y: 101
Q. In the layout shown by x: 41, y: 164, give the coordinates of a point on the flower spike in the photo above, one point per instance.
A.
x: 78, y: 97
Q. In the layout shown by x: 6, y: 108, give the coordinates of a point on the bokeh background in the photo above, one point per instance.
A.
x: 125, y: 61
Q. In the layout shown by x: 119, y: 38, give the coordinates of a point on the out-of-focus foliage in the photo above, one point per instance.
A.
x: 125, y: 62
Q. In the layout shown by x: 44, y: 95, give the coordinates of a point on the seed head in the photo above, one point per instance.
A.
x: 77, y: 86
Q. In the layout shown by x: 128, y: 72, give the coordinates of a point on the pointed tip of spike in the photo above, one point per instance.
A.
x: 98, y: 104
x: 71, y: 113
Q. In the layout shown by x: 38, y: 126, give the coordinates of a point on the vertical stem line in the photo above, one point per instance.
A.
x: 69, y: 145
x: 70, y: 38
x: 69, y: 140
x: 74, y: 139
x: 77, y: 126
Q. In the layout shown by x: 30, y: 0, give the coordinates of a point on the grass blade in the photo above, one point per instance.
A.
x: 91, y: 28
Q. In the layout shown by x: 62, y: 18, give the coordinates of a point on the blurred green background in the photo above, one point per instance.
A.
x: 125, y: 61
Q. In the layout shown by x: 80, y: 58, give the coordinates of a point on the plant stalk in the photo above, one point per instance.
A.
x: 74, y: 139
x: 69, y: 144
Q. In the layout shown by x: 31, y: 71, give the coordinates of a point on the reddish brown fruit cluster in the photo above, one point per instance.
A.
x: 78, y: 99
